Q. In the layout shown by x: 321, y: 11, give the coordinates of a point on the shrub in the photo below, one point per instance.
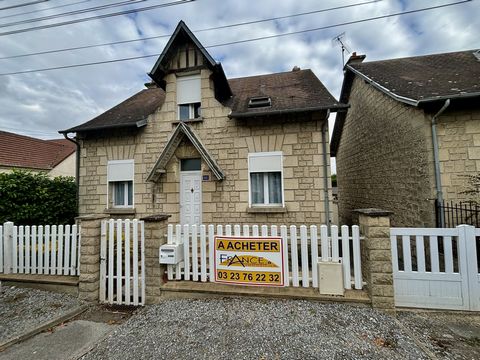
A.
x: 28, y: 198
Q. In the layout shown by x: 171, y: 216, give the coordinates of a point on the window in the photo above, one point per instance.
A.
x: 120, y: 183
x: 265, y: 179
x: 189, y: 97
x: 191, y: 165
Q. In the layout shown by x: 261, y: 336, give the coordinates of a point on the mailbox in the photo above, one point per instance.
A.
x: 171, y: 254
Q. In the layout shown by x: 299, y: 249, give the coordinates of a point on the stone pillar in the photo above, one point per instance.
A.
x: 155, y: 235
x: 89, y: 279
x: 377, y: 257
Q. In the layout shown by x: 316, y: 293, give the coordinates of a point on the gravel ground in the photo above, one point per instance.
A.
x: 23, y: 309
x: 257, y: 329
x: 448, y: 335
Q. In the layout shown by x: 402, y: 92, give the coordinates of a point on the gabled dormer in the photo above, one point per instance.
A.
x: 185, y: 56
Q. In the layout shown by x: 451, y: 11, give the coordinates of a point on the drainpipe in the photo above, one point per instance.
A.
x: 325, y: 170
x: 77, y: 168
x: 438, y: 180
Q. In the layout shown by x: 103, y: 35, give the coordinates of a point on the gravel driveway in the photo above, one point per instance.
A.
x: 257, y: 329
x: 23, y: 309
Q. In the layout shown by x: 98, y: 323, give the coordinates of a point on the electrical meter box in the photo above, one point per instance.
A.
x: 171, y: 254
x: 330, y: 277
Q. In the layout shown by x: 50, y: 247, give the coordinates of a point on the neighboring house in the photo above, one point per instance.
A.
x: 384, y: 144
x: 207, y: 149
x: 53, y: 157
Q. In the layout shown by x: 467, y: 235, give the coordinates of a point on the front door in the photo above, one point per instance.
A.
x: 190, y: 197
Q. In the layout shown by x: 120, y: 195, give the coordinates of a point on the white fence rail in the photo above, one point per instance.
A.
x: 436, y: 268
x: 302, y: 247
x: 47, y: 250
x: 122, y: 262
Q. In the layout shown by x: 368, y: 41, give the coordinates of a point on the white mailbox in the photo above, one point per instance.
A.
x: 171, y: 254
x: 330, y: 277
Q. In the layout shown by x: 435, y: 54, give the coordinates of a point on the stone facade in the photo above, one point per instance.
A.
x: 459, y: 151
x: 384, y: 159
x: 229, y: 141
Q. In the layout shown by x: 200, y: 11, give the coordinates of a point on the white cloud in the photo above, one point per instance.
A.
x: 40, y: 104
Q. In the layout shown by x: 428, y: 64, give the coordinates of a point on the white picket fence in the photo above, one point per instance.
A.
x: 122, y: 262
x: 436, y: 268
x: 302, y: 247
x: 47, y: 250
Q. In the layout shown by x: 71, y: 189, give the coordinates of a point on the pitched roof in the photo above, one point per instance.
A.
x: 132, y: 112
x: 415, y: 81
x: 176, y: 137
x: 292, y: 91
x: 27, y: 152
x: 420, y: 79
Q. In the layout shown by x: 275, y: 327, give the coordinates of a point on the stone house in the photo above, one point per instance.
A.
x: 207, y: 149
x: 410, y: 135
x: 55, y: 157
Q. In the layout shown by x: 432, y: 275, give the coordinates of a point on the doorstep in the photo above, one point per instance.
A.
x: 176, y: 289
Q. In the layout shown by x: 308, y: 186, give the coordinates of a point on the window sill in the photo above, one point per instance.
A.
x: 120, y: 211
x: 266, y: 209
x: 197, y: 120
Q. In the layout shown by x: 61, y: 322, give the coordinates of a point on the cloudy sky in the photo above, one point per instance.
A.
x: 41, y: 103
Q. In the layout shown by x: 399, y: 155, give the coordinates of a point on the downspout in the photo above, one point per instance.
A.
x: 325, y: 171
x: 77, y: 168
x: 438, y: 180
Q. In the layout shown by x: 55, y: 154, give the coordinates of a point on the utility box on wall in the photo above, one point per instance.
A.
x: 330, y: 277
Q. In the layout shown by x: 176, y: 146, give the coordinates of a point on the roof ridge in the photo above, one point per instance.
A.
x: 416, y: 57
x: 270, y: 74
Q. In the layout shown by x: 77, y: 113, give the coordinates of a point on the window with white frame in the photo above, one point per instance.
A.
x: 265, y: 174
x: 189, y: 97
x: 120, y: 183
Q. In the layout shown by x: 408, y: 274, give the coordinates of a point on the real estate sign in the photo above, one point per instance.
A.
x: 249, y: 260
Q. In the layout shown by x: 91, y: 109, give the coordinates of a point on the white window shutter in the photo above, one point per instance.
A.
x: 265, y: 162
x: 120, y: 170
x: 189, y: 89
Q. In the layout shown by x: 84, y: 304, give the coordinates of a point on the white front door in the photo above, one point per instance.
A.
x: 190, y: 197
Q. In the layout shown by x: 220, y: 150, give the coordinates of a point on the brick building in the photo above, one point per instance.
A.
x: 385, y: 143
x: 207, y: 149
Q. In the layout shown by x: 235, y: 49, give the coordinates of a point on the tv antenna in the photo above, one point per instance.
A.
x: 341, y: 40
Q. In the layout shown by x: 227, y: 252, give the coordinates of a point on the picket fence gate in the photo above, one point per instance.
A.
x: 122, y: 262
x: 436, y: 268
x: 302, y: 247
x: 47, y: 250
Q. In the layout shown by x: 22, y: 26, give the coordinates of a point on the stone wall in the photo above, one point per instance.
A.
x: 384, y: 159
x: 459, y: 151
x: 229, y: 141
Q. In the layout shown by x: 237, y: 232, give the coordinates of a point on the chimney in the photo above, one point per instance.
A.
x: 355, y: 59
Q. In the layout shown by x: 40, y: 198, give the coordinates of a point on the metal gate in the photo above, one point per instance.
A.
x: 122, y: 262
x: 436, y: 268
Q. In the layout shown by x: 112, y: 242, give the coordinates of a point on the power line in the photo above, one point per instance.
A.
x: 23, y: 4
x: 73, y: 12
x: 42, y: 10
x: 97, y: 17
x: 245, y: 40
x: 197, y: 31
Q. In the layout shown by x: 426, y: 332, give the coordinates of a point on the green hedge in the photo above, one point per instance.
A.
x: 28, y: 198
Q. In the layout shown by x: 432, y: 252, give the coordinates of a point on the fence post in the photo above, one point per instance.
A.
x: 155, y: 231
x: 377, y: 257
x: 89, y: 278
x: 470, y: 268
x: 7, y: 247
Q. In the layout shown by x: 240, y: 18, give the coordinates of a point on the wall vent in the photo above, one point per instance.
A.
x: 262, y: 101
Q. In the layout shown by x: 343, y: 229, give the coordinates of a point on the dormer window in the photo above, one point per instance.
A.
x: 261, y: 101
x: 189, y: 97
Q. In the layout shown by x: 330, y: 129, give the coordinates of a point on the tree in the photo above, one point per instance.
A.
x: 28, y: 198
